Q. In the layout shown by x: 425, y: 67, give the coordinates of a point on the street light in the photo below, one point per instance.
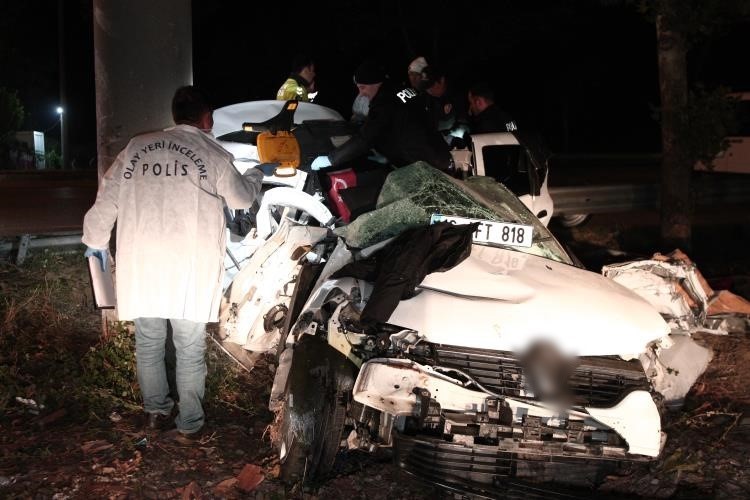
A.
x: 60, y: 111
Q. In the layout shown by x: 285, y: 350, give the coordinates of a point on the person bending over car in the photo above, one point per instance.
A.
x: 397, y: 126
x: 167, y: 191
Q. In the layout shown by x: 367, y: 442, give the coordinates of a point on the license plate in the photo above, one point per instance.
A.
x: 501, y: 233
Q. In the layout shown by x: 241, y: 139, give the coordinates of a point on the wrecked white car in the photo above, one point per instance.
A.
x: 447, y: 323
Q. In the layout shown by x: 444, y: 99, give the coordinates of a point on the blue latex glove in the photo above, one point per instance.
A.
x: 99, y: 254
x: 320, y: 162
x: 268, y: 169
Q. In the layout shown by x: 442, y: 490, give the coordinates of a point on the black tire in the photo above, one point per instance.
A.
x: 331, y: 432
x: 318, y: 389
x: 307, y: 463
x: 292, y: 453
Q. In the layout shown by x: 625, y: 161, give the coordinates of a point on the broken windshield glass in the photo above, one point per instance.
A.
x: 412, y: 194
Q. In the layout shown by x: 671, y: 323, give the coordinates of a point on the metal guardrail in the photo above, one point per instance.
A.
x: 609, y: 158
x: 21, y: 244
x: 627, y: 197
x: 567, y: 200
x: 604, y: 199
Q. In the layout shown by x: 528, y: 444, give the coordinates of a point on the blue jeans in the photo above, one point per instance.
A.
x: 190, y: 346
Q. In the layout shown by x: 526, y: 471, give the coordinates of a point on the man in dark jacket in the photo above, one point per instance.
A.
x: 440, y: 105
x: 485, y: 115
x: 397, y: 126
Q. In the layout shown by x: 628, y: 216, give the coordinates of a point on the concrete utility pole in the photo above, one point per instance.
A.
x: 143, y: 52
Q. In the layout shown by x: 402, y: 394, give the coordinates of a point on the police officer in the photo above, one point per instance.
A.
x: 397, y: 126
x: 167, y: 191
x: 301, y: 81
x: 485, y: 115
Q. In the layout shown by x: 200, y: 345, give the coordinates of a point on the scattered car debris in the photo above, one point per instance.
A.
x: 673, y: 364
x: 676, y: 288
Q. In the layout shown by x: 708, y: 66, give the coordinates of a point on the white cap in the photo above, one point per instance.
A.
x: 417, y: 65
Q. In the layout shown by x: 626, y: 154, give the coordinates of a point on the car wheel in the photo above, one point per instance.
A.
x: 313, y: 417
x: 306, y: 462
x: 573, y: 220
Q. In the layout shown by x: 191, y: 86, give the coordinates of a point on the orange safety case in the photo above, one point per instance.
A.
x: 281, y: 147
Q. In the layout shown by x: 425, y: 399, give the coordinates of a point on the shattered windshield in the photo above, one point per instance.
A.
x: 411, y: 195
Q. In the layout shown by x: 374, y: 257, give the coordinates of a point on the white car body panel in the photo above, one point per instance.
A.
x: 635, y: 418
x: 289, y: 198
x: 260, y: 286
x: 230, y: 118
x: 582, y: 313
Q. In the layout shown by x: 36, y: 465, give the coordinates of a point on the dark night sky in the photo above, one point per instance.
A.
x: 583, y: 72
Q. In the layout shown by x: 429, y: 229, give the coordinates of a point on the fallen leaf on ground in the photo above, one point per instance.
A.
x: 226, y: 487
x: 192, y: 492
x: 250, y: 477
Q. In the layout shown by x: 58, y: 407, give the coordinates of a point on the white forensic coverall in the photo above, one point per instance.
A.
x: 167, y: 191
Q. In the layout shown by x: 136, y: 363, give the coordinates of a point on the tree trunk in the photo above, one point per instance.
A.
x: 676, y: 170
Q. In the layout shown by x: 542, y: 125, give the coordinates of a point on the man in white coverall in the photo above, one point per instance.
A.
x: 167, y: 192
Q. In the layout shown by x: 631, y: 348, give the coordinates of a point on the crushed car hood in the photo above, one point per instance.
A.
x: 504, y: 300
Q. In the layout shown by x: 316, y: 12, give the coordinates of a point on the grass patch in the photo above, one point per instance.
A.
x: 53, y: 353
x: 232, y: 389
x: 47, y: 323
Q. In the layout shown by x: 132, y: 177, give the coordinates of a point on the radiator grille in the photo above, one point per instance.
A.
x: 596, y: 382
x: 486, y: 472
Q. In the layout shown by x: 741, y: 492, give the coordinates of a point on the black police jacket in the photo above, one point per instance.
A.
x: 399, y: 128
x: 492, y: 119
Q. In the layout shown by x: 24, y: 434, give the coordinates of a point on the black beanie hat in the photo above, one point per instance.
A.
x: 369, y: 72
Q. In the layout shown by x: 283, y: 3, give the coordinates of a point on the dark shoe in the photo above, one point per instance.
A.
x: 199, y: 437
x: 158, y: 421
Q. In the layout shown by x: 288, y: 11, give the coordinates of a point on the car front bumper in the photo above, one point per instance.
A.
x: 429, y: 402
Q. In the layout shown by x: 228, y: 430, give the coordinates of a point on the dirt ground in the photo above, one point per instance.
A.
x: 71, y: 424
x: 69, y: 411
